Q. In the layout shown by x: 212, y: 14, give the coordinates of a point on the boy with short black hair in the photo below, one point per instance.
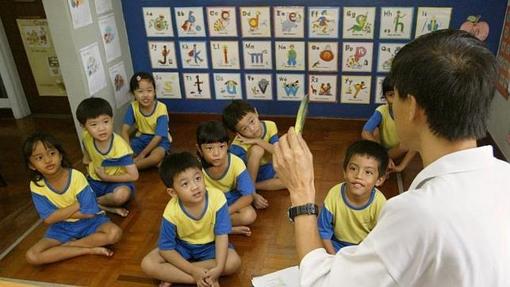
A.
x: 254, y: 144
x: 351, y: 208
x: 380, y: 128
x: 109, y: 159
x: 193, y: 245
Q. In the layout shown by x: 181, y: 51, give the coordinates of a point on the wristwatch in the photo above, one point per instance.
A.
x: 308, y: 209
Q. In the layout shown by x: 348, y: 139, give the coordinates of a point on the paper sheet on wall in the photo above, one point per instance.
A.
x: 93, y: 67
x: 110, y: 36
x: 103, y: 6
x: 120, y: 84
x: 80, y: 13
x: 288, y: 277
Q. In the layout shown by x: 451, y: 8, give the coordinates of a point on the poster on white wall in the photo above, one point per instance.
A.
x: 103, y: 6
x: 110, y: 37
x: 120, y: 84
x: 93, y: 67
x: 80, y: 13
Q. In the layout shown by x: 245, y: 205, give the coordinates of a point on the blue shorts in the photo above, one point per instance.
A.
x: 140, y: 142
x: 64, y: 231
x: 339, y: 244
x: 197, y: 252
x: 266, y: 172
x: 101, y: 188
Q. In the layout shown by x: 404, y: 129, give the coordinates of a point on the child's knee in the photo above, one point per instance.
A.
x: 121, y: 194
x: 249, y: 215
x: 114, y: 234
x: 33, y: 257
x: 256, y: 152
x: 148, y: 264
x: 233, y: 263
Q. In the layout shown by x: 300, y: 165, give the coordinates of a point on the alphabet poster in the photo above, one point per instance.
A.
x: 431, y: 19
x: 396, y: 22
x: 289, y: 22
x: 222, y: 21
x: 197, y: 85
x: 358, y: 22
x: 357, y: 57
x: 290, y: 87
x: 259, y: 86
x: 225, y: 54
x: 255, y: 22
x: 387, y: 52
x: 323, y: 22
x: 290, y: 56
x: 323, y: 56
x: 194, y: 54
x: 322, y: 88
x: 190, y: 21
x: 355, y: 90
x: 227, y: 86
x: 167, y: 85
x: 257, y: 55
x: 158, y: 22
x: 162, y: 54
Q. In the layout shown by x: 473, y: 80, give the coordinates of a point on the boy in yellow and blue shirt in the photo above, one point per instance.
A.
x: 193, y: 245
x: 254, y: 145
x: 109, y: 159
x: 226, y: 172
x: 351, y: 208
x: 380, y: 128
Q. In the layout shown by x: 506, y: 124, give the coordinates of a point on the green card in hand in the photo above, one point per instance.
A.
x: 301, y: 115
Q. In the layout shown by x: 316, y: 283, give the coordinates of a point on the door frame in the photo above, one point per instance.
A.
x: 16, y: 99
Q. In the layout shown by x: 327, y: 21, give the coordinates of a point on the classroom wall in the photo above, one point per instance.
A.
x: 499, y: 121
x: 68, y: 42
x: 491, y: 11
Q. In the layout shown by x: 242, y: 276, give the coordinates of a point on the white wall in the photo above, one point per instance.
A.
x: 499, y: 122
x: 68, y: 42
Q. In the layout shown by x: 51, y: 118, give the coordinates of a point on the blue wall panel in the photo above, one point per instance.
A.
x: 492, y: 11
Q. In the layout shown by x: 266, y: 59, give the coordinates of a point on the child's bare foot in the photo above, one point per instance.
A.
x: 243, y: 230
x: 101, y: 251
x: 259, y: 201
x: 116, y: 210
x: 165, y: 284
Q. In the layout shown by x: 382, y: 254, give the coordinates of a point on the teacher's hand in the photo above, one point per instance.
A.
x: 293, y: 163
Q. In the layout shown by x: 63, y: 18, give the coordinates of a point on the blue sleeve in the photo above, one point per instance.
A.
x: 122, y: 161
x: 223, y: 224
x: 167, y: 235
x: 162, y: 127
x: 87, y: 200
x: 373, y: 122
x: 325, y: 222
x: 239, y: 151
x: 129, y: 117
x: 244, y: 183
x: 274, y: 139
x: 43, y: 206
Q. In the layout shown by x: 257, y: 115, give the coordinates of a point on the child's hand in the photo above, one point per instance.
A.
x: 259, y: 201
x: 139, y: 157
x: 199, y: 274
x: 100, y: 171
x: 246, y: 140
x: 212, y: 275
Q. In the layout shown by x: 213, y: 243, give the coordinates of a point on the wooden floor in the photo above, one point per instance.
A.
x: 271, y: 247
